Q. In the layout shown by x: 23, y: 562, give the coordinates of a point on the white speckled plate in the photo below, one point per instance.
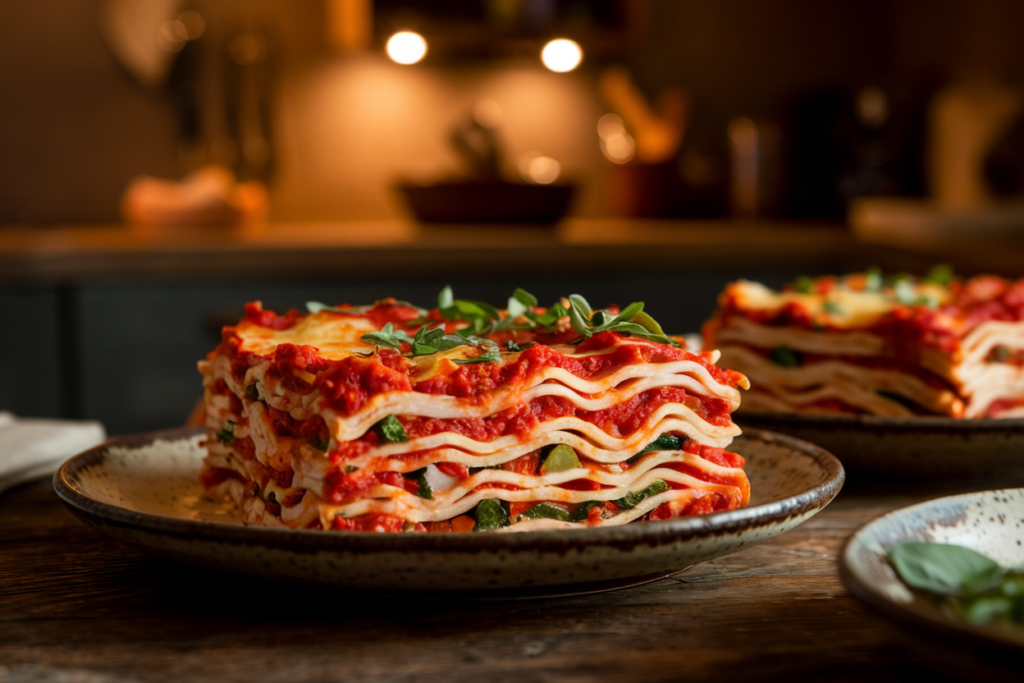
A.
x: 990, y: 522
x: 919, y: 447
x: 144, y: 490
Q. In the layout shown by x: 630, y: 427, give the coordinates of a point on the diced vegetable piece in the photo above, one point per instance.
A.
x: 546, y: 511
x: 490, y: 515
x: 560, y: 459
x: 631, y: 500
x: 390, y: 429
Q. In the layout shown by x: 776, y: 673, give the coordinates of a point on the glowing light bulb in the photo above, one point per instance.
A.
x: 406, y: 47
x: 561, y: 55
x: 536, y: 168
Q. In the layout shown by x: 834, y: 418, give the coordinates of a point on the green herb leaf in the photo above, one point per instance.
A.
x: 445, y: 298
x: 944, y: 569
x: 226, y: 434
x: 904, y: 291
x: 387, y: 336
x: 631, y: 500
x: 319, y: 443
x: 873, y: 279
x: 546, y: 511
x: 524, y: 297
x: 252, y: 392
x: 804, y: 284
x: 665, y: 442
x: 579, y: 302
x: 490, y: 515
x: 390, y: 429
x: 785, y: 356
x: 420, y: 477
x: 832, y: 308
x: 560, y: 459
x: 580, y: 513
x: 515, y: 348
x: 940, y: 274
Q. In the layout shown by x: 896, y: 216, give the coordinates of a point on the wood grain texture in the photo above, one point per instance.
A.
x: 76, y: 606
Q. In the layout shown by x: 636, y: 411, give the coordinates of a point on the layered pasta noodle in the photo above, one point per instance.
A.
x: 466, y: 418
x: 865, y: 344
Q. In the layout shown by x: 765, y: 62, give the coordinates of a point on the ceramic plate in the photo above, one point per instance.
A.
x: 144, y: 490
x: 990, y: 522
x: 906, y: 446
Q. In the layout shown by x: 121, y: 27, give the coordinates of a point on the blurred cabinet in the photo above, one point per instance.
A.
x: 30, y: 361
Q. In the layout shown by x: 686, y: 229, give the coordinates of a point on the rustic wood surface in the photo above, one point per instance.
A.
x: 78, y: 607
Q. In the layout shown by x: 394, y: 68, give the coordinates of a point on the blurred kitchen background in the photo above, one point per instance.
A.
x: 164, y: 161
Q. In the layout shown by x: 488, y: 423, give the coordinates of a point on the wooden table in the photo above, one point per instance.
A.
x: 77, y: 606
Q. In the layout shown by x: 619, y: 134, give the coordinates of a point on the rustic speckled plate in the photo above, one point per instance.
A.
x: 990, y: 522
x: 921, y: 447
x: 144, y: 490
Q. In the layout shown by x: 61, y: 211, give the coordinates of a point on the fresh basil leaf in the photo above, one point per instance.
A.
x: 804, y: 284
x: 252, y: 392
x: 420, y: 477
x: 524, y: 297
x: 514, y: 309
x: 445, y: 298
x: 226, y: 433
x: 390, y: 429
x: 940, y: 274
x: 546, y: 511
x: 631, y: 500
x: 488, y: 357
x: 985, y: 610
x: 490, y: 515
x: 578, y: 301
x: 600, y: 321
x: 944, y: 569
x: 580, y: 321
x: 629, y: 312
x: 647, y: 322
x: 785, y: 356
x: 387, y: 336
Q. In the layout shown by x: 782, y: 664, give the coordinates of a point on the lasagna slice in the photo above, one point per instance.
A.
x: 467, y: 418
x: 878, y: 346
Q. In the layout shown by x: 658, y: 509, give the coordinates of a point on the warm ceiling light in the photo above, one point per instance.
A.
x: 561, y: 55
x: 406, y: 47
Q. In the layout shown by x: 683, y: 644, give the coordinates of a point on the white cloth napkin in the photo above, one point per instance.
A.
x: 32, y: 448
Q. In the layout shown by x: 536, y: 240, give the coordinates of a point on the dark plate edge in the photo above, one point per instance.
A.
x: 878, y: 423
x: 625, y: 536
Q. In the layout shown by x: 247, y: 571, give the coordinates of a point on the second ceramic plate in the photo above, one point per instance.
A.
x: 144, y: 490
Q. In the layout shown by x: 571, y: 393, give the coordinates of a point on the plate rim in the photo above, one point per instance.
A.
x: 625, y: 536
x: 927, y: 618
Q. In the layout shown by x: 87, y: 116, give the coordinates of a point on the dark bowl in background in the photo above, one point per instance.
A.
x: 488, y: 202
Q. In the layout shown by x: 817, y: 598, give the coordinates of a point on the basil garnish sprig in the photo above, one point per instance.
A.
x: 483, y: 319
x: 971, y: 584
x: 631, y: 320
